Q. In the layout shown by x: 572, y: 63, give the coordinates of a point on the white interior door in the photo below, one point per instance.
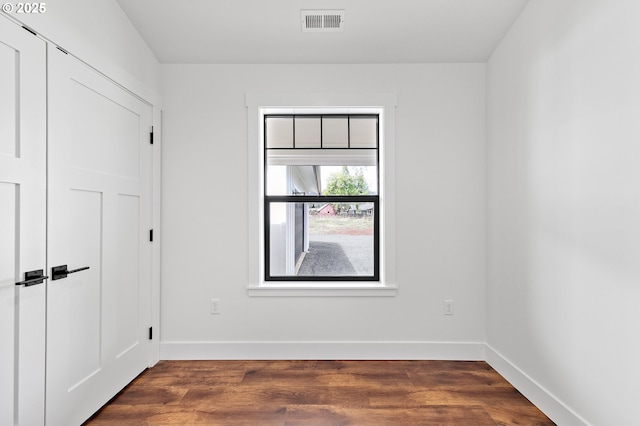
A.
x: 99, y: 217
x: 22, y: 224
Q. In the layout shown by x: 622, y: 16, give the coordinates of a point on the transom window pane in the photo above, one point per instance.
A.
x: 279, y: 132
x: 335, y: 132
x: 363, y: 132
x: 307, y: 132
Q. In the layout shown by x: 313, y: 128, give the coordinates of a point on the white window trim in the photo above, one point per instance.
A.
x: 259, y: 104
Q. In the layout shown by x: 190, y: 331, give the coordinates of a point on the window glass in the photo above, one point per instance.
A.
x: 279, y: 132
x: 363, y: 132
x: 321, y: 197
x: 330, y: 239
x: 307, y: 132
x: 321, y: 180
x: 335, y: 132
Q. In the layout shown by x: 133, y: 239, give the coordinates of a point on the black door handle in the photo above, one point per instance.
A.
x: 59, y: 272
x: 33, y: 278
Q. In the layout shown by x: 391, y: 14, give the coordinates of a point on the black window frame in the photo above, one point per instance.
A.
x: 323, y: 199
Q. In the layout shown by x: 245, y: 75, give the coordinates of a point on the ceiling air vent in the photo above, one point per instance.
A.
x: 322, y: 20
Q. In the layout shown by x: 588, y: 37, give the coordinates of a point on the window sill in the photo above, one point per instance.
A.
x: 313, y: 289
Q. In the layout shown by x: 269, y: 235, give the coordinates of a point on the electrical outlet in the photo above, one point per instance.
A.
x: 214, y: 307
x: 448, y: 307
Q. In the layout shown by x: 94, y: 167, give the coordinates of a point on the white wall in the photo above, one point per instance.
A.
x: 99, y: 33
x: 563, y: 138
x: 440, y: 179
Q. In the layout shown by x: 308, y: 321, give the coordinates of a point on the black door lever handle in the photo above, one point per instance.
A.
x: 59, y: 272
x: 33, y: 278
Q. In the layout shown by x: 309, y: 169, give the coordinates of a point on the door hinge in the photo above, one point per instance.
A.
x: 150, y: 333
x: 151, y: 235
x: 151, y: 136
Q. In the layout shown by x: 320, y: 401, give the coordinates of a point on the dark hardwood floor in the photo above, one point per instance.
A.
x: 320, y: 393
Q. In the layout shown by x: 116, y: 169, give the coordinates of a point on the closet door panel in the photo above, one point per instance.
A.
x: 22, y: 224
x: 99, y: 218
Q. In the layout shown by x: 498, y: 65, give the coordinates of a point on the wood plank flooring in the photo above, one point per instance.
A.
x: 320, y: 393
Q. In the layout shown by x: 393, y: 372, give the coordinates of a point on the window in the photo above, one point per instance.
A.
x: 321, y: 197
x: 296, y: 141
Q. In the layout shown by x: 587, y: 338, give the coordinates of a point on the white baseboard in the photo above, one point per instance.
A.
x: 460, y: 351
x: 555, y: 409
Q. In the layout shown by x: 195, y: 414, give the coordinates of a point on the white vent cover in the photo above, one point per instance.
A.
x: 322, y: 20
